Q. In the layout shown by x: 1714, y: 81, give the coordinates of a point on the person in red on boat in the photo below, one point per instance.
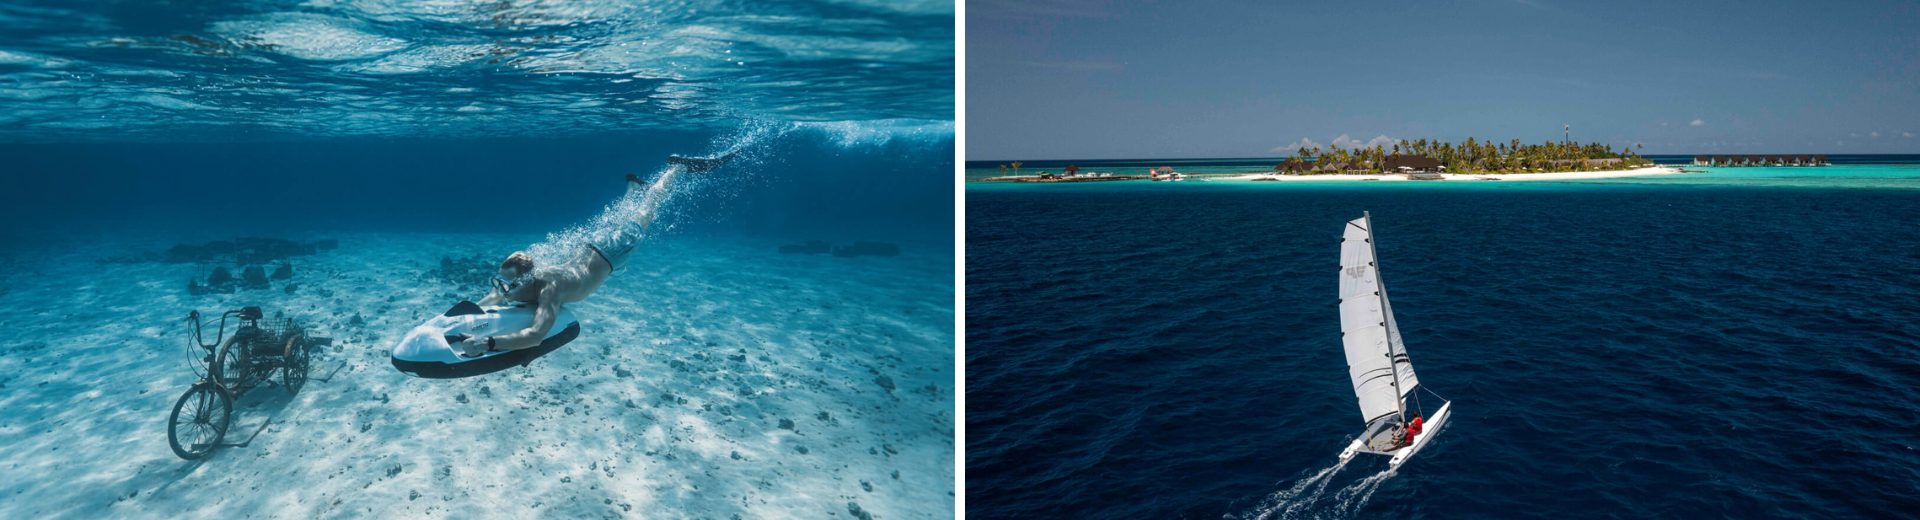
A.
x: 1414, y: 428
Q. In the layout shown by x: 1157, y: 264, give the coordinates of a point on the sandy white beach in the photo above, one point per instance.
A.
x: 1544, y: 176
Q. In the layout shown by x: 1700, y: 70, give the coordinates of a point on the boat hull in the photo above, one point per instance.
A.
x: 1401, y: 455
x: 1352, y: 449
x: 1432, y: 427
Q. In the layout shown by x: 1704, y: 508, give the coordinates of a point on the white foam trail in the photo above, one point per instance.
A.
x: 753, y: 140
x: 665, y: 186
x: 858, y: 134
x: 1307, y: 498
x: 1350, y: 499
x: 1284, y: 503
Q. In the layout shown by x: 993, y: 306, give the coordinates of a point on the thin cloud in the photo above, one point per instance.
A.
x: 1908, y: 134
x: 1697, y: 122
x: 1349, y: 143
x: 1875, y: 134
x: 1304, y: 143
x: 1345, y: 141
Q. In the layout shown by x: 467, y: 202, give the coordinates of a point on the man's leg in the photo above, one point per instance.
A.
x: 656, y: 194
x: 614, y: 245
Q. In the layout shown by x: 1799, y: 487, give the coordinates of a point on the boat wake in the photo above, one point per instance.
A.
x: 1348, y: 501
x: 1308, y: 497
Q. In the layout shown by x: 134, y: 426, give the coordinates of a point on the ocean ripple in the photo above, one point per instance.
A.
x: 1614, y: 351
x: 457, y: 68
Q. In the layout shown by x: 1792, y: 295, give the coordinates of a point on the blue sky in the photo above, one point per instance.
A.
x: 1092, y: 79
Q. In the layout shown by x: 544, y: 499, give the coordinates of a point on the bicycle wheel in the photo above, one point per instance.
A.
x: 235, y: 367
x: 199, y: 420
x: 294, y: 373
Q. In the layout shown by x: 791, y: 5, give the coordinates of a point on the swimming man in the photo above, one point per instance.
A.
x: 548, y: 288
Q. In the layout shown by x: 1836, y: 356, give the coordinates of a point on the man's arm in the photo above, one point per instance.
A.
x: 543, y: 318
x: 494, y: 297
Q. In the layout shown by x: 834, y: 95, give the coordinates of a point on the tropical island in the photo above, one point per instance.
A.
x: 1408, y: 160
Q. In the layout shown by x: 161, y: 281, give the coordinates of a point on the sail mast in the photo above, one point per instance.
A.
x: 1399, y: 403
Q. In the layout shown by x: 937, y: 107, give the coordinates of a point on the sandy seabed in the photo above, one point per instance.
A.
x: 714, y: 378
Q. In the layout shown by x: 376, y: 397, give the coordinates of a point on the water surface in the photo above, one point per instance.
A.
x: 1733, y: 348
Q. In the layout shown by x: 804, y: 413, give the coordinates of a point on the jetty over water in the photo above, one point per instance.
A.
x: 1760, y: 160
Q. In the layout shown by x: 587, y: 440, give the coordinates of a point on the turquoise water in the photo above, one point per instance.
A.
x: 263, y: 69
x: 1891, y: 176
x: 715, y: 377
x: 974, y: 174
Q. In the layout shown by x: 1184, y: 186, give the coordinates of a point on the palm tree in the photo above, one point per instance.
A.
x: 1003, y: 170
x: 1016, y: 167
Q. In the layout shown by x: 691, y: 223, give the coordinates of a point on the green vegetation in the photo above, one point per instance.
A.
x: 1472, y: 157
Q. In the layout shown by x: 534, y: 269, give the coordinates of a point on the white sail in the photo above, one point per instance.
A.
x: 1402, y: 364
x: 1371, y: 339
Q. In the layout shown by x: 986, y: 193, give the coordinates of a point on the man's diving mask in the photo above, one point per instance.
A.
x: 508, y: 285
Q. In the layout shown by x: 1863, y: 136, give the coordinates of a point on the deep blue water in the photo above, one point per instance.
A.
x: 1613, y: 351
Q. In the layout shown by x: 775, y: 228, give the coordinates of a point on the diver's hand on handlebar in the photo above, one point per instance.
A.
x: 473, y: 347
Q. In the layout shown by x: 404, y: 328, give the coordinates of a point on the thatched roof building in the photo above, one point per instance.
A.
x: 1291, y: 166
x: 1416, y: 162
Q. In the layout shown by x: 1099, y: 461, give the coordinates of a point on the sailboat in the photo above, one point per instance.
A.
x: 1383, y: 378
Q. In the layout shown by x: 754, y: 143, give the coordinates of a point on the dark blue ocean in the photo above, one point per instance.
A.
x: 385, y: 156
x: 1613, y: 350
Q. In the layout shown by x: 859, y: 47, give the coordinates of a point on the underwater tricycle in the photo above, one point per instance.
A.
x: 232, y: 365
